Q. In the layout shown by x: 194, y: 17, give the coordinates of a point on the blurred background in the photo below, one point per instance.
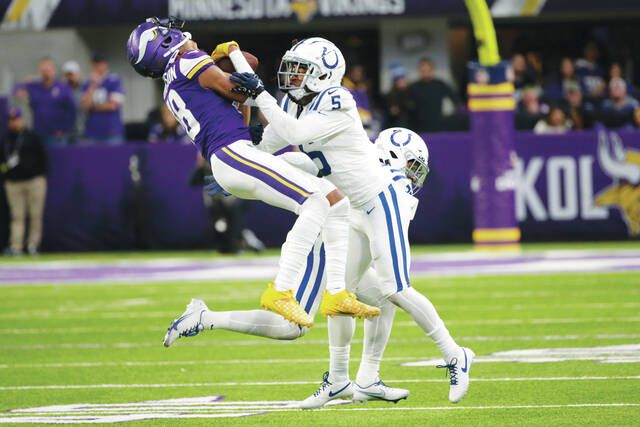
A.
x: 114, y: 172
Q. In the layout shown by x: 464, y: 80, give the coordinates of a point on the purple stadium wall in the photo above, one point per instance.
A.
x: 94, y: 202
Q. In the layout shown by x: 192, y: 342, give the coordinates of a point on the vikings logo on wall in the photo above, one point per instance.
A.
x: 304, y: 9
x: 623, y: 166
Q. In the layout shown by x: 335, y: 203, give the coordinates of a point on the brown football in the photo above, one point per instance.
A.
x: 226, y: 65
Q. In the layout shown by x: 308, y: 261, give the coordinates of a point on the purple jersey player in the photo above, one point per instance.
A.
x: 200, y: 97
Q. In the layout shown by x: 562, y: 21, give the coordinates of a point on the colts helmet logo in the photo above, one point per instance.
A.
x: 399, y: 143
x: 623, y: 166
x: 324, y: 61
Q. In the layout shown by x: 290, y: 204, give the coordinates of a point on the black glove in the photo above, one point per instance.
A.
x: 256, y: 132
x: 249, y: 84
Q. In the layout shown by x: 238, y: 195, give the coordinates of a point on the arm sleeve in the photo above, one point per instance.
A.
x: 316, y: 125
x: 239, y: 62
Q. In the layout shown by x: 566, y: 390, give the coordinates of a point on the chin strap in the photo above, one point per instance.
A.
x: 304, y: 100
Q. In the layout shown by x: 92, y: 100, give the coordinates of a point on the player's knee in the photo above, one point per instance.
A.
x: 293, y: 332
x: 398, y: 297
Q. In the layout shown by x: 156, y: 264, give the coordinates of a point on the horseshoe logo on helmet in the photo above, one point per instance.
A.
x: 324, y: 61
x: 396, y: 143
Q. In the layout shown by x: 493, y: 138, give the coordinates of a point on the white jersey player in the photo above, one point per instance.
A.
x: 321, y: 118
x: 312, y: 282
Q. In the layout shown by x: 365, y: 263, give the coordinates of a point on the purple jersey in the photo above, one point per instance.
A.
x: 105, y: 124
x: 211, y: 121
x: 53, y: 107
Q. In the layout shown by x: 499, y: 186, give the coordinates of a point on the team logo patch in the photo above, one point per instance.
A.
x: 327, y: 54
x: 623, y: 166
x: 304, y: 9
x: 399, y: 143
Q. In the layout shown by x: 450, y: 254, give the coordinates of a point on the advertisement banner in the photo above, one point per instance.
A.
x: 41, y: 14
x: 578, y: 186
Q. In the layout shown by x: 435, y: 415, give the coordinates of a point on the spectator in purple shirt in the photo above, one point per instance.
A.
x: 51, y: 102
x: 102, y: 100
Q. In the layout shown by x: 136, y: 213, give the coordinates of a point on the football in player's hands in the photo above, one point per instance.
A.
x: 226, y: 65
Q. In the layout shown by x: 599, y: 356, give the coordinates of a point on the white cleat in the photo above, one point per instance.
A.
x: 378, y: 391
x: 187, y: 325
x: 328, y: 391
x: 459, y: 368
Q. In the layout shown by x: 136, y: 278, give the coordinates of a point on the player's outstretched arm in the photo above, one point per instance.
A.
x: 215, y: 79
x: 311, y: 127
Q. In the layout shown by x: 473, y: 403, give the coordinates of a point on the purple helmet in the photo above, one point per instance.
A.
x: 154, y: 44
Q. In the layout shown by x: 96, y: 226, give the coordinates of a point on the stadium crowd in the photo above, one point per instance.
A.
x: 575, y: 94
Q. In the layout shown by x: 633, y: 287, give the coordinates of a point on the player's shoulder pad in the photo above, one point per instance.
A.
x: 193, y: 61
x: 333, y: 98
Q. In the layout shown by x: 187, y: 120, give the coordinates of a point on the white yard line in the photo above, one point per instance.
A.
x: 257, y: 342
x: 101, y: 314
x: 453, y: 408
x: 303, y: 382
x: 133, y: 363
x: 243, y: 411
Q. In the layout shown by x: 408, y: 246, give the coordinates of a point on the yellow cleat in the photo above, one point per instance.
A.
x: 284, y: 304
x: 345, y: 303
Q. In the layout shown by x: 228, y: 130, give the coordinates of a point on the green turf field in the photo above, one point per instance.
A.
x: 81, y: 343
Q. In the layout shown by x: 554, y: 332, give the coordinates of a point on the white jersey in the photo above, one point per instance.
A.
x: 329, y: 131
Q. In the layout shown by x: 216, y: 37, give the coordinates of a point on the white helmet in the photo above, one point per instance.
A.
x: 403, y: 149
x: 317, y: 61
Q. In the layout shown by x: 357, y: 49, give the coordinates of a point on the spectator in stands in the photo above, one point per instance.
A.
x: 555, y: 122
x: 51, y: 102
x: 428, y: 95
x: 557, y: 87
x: 534, y: 65
x: 530, y: 108
x: 616, y: 71
x: 590, y: 73
x: 167, y: 130
x: 72, y: 77
x: 522, y: 75
x: 23, y: 162
x: 634, y: 123
x: 579, y: 112
x: 398, y: 101
x: 619, y: 101
x: 102, y: 100
x: 356, y: 83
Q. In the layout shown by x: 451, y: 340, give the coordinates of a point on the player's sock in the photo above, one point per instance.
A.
x: 300, y: 240
x: 261, y: 323
x: 341, y: 330
x: 376, y: 336
x: 425, y: 315
x: 335, y: 235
